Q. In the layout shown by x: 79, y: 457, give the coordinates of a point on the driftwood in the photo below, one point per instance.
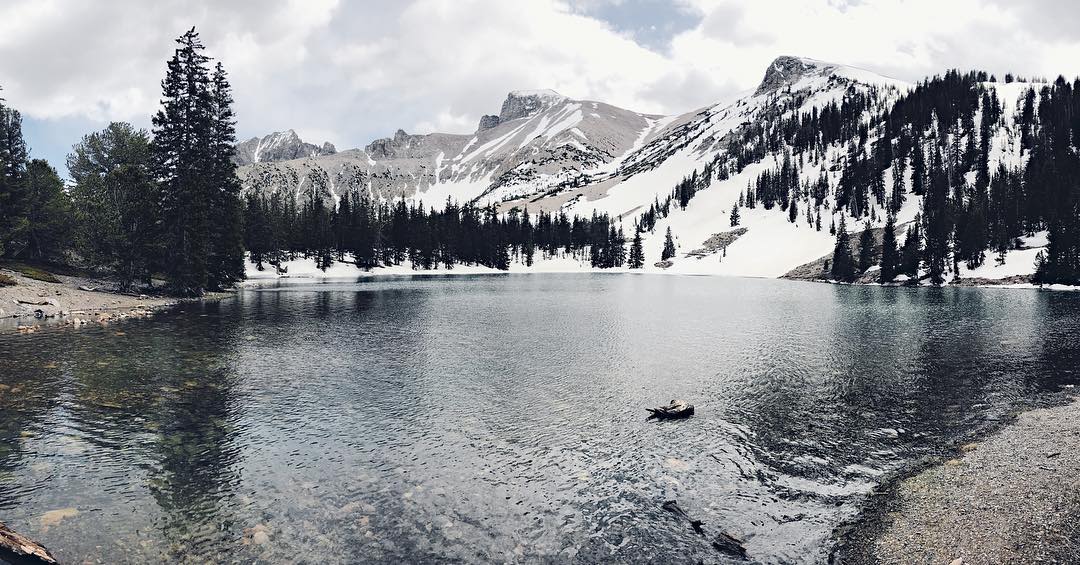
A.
x: 677, y: 409
x: 21, y: 550
x: 32, y: 303
x: 723, y: 542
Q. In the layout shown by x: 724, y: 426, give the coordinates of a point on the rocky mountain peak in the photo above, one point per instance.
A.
x: 785, y: 71
x: 279, y: 146
x: 389, y: 147
x: 524, y: 103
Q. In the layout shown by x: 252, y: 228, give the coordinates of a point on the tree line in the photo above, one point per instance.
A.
x: 370, y: 234
x: 141, y: 204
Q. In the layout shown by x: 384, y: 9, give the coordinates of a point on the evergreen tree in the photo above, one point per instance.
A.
x: 735, y: 215
x: 843, y: 264
x: 890, y: 254
x: 866, y: 248
x: 225, y: 260
x: 528, y: 242
x: 13, y: 156
x: 918, y: 169
x: 912, y: 250
x: 48, y: 213
x: 669, y: 246
x: 183, y: 162
x: 192, y: 154
x: 637, y: 253
x: 937, y: 224
x: 116, y: 203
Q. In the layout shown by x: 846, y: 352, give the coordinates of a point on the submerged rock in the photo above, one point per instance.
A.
x: 54, y: 517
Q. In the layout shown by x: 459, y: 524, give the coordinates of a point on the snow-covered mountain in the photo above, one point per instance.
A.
x: 772, y: 245
x: 546, y: 152
x: 279, y: 146
x: 539, y: 141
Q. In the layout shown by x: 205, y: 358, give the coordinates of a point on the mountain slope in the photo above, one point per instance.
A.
x: 815, y: 146
x: 540, y: 140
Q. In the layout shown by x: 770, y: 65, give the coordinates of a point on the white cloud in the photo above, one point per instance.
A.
x: 352, y: 71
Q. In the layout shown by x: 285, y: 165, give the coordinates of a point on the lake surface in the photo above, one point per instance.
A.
x: 501, y: 418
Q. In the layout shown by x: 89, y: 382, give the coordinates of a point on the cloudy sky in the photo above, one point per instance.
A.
x: 351, y: 71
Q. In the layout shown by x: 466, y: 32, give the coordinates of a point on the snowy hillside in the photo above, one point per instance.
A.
x: 813, y: 127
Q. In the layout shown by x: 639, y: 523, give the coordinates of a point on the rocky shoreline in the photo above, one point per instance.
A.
x: 1011, y: 497
x: 30, y: 303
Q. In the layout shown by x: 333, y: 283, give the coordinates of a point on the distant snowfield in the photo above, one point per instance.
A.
x: 305, y: 270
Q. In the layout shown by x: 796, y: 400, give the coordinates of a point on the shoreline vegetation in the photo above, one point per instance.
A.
x: 1010, y: 496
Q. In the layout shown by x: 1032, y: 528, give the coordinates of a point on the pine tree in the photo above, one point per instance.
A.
x: 937, y: 224
x: 528, y: 249
x: 912, y: 250
x: 866, y: 248
x: 13, y: 158
x: 637, y: 253
x: 890, y: 254
x: 735, y: 215
x: 843, y: 264
x: 116, y: 203
x: 49, y: 214
x: 182, y: 153
x: 225, y: 261
x: 669, y: 246
x: 918, y: 169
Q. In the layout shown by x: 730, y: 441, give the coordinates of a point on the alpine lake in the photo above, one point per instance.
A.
x: 501, y: 418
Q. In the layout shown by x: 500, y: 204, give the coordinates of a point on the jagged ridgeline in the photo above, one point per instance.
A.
x: 967, y: 175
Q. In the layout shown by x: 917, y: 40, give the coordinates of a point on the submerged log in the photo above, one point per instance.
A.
x: 723, y: 542
x: 676, y: 409
x: 729, y: 544
x: 673, y: 507
x: 21, y: 550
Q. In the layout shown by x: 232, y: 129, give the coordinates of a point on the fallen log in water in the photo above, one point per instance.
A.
x: 729, y: 544
x: 673, y: 507
x: 21, y: 550
x: 676, y: 409
x: 723, y: 542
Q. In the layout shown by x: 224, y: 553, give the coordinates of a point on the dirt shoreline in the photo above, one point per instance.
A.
x: 32, y: 304
x: 1011, y: 497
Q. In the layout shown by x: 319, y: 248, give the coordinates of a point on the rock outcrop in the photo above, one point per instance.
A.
x: 525, y: 103
x: 279, y: 146
x: 785, y: 71
x: 487, y: 122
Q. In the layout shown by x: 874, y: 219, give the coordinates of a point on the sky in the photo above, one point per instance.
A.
x: 349, y: 72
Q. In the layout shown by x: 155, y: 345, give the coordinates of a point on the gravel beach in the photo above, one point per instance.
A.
x: 30, y: 303
x: 1011, y: 498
